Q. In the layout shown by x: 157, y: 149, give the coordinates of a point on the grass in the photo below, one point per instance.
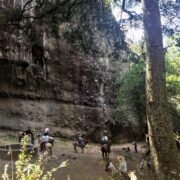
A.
x: 9, y: 137
x: 130, y: 158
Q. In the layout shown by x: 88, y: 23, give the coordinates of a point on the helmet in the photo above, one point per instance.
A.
x: 46, y: 130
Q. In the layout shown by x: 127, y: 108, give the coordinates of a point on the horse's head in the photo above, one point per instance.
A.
x: 51, y: 140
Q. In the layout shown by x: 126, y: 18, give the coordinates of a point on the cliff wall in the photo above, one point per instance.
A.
x: 62, y: 75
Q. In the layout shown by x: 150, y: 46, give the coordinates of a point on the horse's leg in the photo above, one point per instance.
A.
x: 103, y: 154
x: 82, y: 149
x: 50, y: 151
x: 107, y: 155
x: 32, y: 139
x: 75, y: 147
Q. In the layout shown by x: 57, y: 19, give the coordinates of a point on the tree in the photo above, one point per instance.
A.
x: 162, y: 145
x: 131, y: 84
x: 132, y: 16
x: 163, y: 148
x: 23, y: 13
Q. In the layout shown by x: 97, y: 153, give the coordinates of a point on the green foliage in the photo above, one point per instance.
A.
x: 172, y: 56
x: 10, y: 16
x: 107, y: 3
x: 25, y: 170
x: 135, y: 53
x: 131, y: 84
x: 170, y: 12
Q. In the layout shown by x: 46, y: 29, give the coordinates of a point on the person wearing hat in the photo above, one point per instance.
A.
x: 30, y: 132
x: 44, y: 139
x: 122, y: 165
x: 46, y: 131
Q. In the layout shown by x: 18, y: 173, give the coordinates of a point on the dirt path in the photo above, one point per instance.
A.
x: 87, y: 166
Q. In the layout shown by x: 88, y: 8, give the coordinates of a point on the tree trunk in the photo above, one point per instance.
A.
x: 162, y: 143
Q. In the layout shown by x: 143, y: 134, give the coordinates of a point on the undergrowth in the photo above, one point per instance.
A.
x: 25, y: 169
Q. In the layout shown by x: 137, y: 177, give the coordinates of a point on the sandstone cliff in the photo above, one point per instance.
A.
x: 62, y: 76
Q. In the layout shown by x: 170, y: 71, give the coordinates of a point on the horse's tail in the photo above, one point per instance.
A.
x: 106, y: 148
x: 75, y: 144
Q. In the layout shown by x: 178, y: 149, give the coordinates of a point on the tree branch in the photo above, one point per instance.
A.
x: 132, y: 14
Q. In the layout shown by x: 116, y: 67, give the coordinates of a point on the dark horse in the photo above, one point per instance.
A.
x: 81, y: 145
x: 106, y: 149
x: 26, y: 132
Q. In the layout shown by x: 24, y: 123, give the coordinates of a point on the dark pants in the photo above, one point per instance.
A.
x: 42, y: 146
x: 80, y: 142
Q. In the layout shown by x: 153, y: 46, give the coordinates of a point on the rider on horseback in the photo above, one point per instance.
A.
x: 28, y: 131
x: 104, y: 138
x: 44, y: 139
x: 81, y: 140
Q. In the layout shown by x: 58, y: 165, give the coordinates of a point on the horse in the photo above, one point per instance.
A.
x: 47, y: 146
x: 81, y: 145
x: 22, y: 134
x: 106, y: 149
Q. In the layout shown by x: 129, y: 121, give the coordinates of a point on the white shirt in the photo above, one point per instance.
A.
x: 44, y: 138
x: 104, y: 138
x: 122, y: 166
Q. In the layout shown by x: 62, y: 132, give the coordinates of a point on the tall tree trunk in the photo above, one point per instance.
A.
x: 162, y: 144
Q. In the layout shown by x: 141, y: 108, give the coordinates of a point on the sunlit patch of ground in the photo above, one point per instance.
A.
x: 87, y: 166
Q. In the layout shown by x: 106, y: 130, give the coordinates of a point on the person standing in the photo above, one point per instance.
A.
x: 122, y: 165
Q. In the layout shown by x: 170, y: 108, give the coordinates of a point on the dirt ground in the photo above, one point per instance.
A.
x: 87, y: 166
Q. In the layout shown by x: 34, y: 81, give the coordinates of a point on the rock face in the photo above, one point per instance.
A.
x: 63, y: 80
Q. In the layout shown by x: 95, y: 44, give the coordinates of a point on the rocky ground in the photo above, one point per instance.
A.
x: 87, y: 166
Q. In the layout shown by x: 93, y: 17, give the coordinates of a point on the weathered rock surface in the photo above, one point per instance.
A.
x: 63, y: 80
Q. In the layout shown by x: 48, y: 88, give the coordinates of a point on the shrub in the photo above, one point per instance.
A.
x: 25, y: 170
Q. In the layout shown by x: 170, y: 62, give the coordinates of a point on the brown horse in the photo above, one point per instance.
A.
x: 77, y: 144
x: 48, y: 146
x: 106, y: 149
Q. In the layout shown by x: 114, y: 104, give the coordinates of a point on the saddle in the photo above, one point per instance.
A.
x: 81, y: 143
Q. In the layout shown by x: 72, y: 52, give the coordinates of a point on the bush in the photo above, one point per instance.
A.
x: 25, y: 170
